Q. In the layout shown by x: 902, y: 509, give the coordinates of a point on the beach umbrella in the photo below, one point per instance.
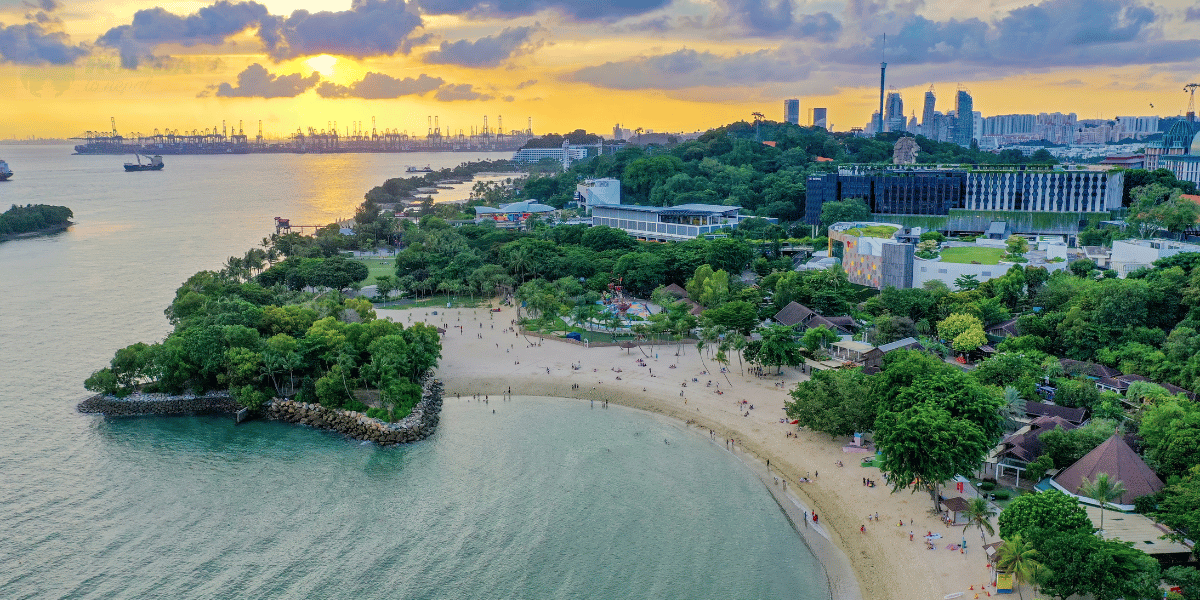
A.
x: 440, y: 330
x: 627, y: 346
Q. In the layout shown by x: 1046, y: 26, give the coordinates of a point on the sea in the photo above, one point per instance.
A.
x: 544, y: 498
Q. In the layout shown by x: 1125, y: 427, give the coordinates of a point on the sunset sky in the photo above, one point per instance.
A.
x: 66, y: 66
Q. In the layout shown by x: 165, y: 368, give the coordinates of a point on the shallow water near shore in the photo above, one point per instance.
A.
x: 543, y: 499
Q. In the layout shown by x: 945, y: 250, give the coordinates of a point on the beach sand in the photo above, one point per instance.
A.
x: 881, y: 563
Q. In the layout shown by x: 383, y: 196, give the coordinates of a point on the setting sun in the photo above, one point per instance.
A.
x: 322, y: 64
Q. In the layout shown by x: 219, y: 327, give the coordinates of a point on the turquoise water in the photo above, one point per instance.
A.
x: 543, y: 499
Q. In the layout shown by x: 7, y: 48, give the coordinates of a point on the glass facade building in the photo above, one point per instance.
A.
x: 935, y: 191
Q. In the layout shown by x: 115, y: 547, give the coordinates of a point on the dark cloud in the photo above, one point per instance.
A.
x: 375, y: 86
x: 781, y: 18
x: 369, y: 28
x: 30, y: 44
x: 688, y: 68
x: 1054, y: 33
x: 461, y: 91
x: 661, y: 24
x: 1192, y: 14
x: 153, y: 26
x: 257, y: 82
x: 578, y: 10
x: 525, y: 84
x: 489, y: 51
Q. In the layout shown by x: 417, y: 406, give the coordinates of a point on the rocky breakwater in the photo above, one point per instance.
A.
x: 135, y: 405
x: 417, y: 426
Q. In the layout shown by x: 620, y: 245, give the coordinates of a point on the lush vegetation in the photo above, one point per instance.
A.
x: 33, y: 217
x: 259, y: 336
x: 728, y: 166
x: 878, y: 231
x: 972, y: 255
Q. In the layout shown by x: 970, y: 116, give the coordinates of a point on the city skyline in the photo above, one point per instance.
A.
x: 681, y: 65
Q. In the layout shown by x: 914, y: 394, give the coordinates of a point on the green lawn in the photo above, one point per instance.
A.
x: 435, y: 302
x: 377, y: 266
x: 878, y: 231
x: 964, y: 254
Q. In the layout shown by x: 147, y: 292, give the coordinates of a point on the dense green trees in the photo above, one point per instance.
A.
x: 257, y: 342
x: 1170, y: 430
x: 1035, y: 515
x: 33, y: 217
x: 837, y: 402
x: 1179, y: 507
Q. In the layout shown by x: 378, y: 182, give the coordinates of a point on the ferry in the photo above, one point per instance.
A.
x: 5, y: 172
x: 426, y: 169
x: 155, y: 164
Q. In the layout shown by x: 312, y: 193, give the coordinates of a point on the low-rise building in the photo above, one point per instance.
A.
x: 1128, y: 256
x: 598, y: 192
x: 667, y: 223
x: 566, y: 154
x: 511, y: 216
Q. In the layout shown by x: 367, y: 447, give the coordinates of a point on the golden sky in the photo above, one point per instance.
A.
x: 67, y: 66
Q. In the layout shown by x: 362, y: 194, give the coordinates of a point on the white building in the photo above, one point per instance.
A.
x: 565, y: 154
x: 598, y: 192
x: 667, y: 223
x: 1128, y: 256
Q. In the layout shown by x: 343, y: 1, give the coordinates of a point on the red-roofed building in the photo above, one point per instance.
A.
x: 1121, y: 463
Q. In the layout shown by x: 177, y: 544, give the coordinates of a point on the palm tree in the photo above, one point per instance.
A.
x: 980, y: 514
x: 1013, y: 408
x: 1019, y: 557
x: 1103, y: 490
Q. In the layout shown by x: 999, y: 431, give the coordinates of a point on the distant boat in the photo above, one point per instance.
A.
x: 155, y: 164
x: 426, y: 169
x: 5, y: 172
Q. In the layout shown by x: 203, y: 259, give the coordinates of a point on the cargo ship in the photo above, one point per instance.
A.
x: 426, y: 169
x: 155, y: 164
x: 5, y: 172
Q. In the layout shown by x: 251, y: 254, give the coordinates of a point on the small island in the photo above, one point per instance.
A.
x: 33, y: 219
x: 245, y: 343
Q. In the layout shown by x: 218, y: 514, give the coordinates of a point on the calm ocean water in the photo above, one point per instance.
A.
x: 544, y: 499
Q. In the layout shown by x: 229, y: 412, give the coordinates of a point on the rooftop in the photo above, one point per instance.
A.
x: 682, y: 209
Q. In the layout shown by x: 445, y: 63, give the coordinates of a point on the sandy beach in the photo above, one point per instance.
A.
x: 876, y: 563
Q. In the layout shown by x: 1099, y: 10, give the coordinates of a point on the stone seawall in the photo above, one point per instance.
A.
x: 418, y: 425
x: 138, y: 405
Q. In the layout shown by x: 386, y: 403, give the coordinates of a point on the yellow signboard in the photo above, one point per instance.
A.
x: 1004, y: 583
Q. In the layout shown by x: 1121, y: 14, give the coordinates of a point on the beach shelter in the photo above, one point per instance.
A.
x: 1121, y: 463
x: 956, y: 509
x: 627, y: 346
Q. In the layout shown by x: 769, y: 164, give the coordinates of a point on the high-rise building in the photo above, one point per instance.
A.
x: 820, y: 118
x: 791, y: 111
x: 928, y: 126
x: 964, y: 123
x: 894, y: 121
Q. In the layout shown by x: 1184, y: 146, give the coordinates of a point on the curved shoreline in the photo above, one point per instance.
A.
x: 839, y: 571
x: 681, y: 382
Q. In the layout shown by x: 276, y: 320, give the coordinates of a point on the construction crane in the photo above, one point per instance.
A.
x: 1191, y: 89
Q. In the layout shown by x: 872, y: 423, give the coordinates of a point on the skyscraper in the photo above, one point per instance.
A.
x: 820, y: 118
x: 964, y: 124
x: 791, y: 111
x: 928, y: 127
x: 895, y: 121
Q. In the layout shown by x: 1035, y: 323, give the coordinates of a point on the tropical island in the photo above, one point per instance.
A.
x: 1003, y: 400
x: 33, y: 219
